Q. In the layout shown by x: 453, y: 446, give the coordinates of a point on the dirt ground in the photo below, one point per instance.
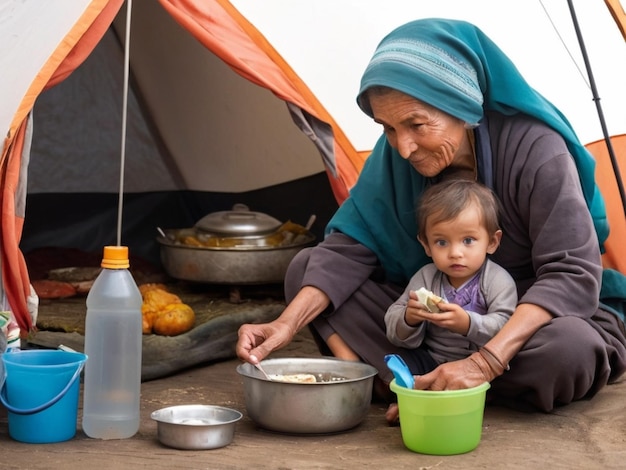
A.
x: 588, y: 434
x: 585, y: 435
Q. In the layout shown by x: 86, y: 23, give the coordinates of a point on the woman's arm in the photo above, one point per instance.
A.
x: 334, y: 270
x: 524, y: 323
x: 259, y: 340
x: 486, y: 365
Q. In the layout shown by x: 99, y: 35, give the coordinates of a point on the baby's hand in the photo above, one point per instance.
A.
x: 428, y: 299
x: 416, y: 312
x: 451, y: 317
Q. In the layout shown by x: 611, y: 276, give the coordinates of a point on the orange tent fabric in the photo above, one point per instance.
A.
x: 615, y: 7
x: 615, y: 255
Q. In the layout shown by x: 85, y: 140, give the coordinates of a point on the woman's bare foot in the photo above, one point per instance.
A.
x: 393, y: 415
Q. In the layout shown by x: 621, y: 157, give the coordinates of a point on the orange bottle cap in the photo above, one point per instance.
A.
x: 115, y: 257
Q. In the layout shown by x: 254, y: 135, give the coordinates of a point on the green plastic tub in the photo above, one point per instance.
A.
x: 441, y: 422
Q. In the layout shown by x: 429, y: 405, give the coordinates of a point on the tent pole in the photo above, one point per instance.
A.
x: 596, y: 99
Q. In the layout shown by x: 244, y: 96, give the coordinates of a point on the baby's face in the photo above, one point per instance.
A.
x: 458, y: 247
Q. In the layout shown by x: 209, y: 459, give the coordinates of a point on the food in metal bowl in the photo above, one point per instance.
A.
x: 287, y: 234
x: 233, y: 247
x: 337, y: 401
x: 294, y: 378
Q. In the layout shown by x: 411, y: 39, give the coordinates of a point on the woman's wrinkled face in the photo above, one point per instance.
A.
x: 422, y: 134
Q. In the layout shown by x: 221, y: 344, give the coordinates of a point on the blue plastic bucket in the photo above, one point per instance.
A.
x: 41, y: 394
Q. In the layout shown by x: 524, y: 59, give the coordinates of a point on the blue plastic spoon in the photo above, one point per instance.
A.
x: 400, y: 370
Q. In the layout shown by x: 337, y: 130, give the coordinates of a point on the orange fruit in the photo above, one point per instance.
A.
x: 173, y: 319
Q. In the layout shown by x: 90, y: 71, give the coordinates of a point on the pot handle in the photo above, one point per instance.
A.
x: 241, y: 207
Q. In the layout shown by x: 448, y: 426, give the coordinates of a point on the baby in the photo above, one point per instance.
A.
x: 458, y: 227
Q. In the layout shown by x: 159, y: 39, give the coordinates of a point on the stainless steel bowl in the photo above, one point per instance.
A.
x: 338, y: 401
x: 196, y: 426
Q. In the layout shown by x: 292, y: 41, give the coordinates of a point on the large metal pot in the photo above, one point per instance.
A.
x: 338, y: 401
x: 233, y: 247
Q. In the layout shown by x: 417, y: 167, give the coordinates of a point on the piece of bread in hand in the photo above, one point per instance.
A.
x: 429, y: 299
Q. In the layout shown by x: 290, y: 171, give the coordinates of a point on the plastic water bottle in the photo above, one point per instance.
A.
x: 113, y: 338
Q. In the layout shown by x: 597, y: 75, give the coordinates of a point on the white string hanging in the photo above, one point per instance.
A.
x: 129, y: 4
x: 567, y: 49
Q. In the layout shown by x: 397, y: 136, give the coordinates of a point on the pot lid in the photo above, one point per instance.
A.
x: 239, y: 221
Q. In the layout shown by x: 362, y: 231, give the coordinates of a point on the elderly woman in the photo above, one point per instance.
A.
x: 451, y: 104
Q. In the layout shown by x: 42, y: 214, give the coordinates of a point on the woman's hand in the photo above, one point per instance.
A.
x: 466, y: 373
x: 495, y: 356
x: 257, y: 341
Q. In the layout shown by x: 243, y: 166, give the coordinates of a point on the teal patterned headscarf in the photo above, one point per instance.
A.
x: 453, y: 66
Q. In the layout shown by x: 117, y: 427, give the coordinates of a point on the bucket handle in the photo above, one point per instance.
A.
x: 46, y: 405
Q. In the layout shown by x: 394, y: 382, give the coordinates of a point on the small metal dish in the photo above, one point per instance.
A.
x: 196, y: 426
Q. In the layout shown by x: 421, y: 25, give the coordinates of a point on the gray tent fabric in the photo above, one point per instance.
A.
x: 77, y: 133
x: 320, y: 133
